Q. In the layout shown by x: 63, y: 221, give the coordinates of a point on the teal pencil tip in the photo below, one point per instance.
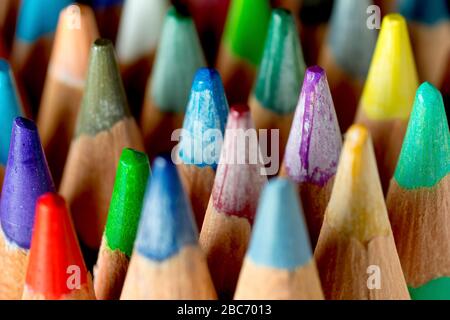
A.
x: 280, y: 238
x: 10, y: 108
x: 38, y: 18
x: 179, y: 56
x: 426, y: 12
x: 282, y: 68
x: 424, y: 159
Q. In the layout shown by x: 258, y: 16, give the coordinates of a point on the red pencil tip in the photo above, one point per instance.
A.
x: 56, y: 266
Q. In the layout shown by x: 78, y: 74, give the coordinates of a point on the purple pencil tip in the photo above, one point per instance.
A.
x: 26, y: 178
x: 315, y: 141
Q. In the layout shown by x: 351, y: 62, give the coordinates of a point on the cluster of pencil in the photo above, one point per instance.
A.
x: 101, y: 198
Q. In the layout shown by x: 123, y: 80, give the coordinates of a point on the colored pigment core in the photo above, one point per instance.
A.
x: 436, y: 289
x: 282, y: 68
x: 424, y: 159
x: 246, y: 29
x: 127, y: 199
x: 104, y: 101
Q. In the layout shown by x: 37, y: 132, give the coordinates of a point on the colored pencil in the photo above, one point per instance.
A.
x: 121, y: 225
x: 232, y: 206
x: 388, y: 94
x: 346, y: 56
x: 26, y: 178
x: 137, y: 39
x: 279, y: 264
x: 313, y: 149
x: 167, y: 262
x: 199, y: 148
x: 56, y: 269
x: 10, y: 108
x: 31, y: 49
x: 104, y: 128
x: 429, y: 24
x: 64, y: 84
x: 418, y: 199
x: 178, y: 57
x: 356, y: 254
x: 209, y: 17
x: 108, y: 13
x: 242, y: 46
x: 279, y: 78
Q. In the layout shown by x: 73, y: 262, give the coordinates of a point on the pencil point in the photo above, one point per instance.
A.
x: 10, y: 108
x: 206, y: 116
x: 239, y: 177
x: 357, y: 206
x: 76, y: 31
x: 246, y: 28
x: 282, y: 66
x: 178, y: 57
x: 351, y: 41
x: 280, y: 238
x: 38, y: 18
x: 27, y: 177
x: 167, y: 223
x: 126, y: 202
x: 54, y: 250
x: 314, y: 145
x: 424, y: 159
x: 104, y: 101
x: 392, y: 79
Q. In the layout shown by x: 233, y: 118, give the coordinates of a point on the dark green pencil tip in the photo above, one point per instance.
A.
x: 104, y: 101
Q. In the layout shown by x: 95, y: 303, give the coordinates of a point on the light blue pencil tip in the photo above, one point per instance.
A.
x: 280, y: 238
x: 167, y: 223
x: 38, y: 18
x: 10, y: 108
x: 205, y: 120
x: 351, y: 42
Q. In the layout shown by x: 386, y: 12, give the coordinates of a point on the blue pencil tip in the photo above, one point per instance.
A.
x: 167, y: 223
x: 280, y: 237
x: 10, y: 108
x: 205, y: 120
x: 38, y: 18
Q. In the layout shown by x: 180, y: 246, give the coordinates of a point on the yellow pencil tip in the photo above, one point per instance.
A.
x: 357, y: 205
x: 392, y: 80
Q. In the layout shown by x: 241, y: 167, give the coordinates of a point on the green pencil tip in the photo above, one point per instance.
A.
x: 282, y: 68
x: 246, y: 28
x: 126, y: 201
x: 104, y: 100
x: 425, y: 155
